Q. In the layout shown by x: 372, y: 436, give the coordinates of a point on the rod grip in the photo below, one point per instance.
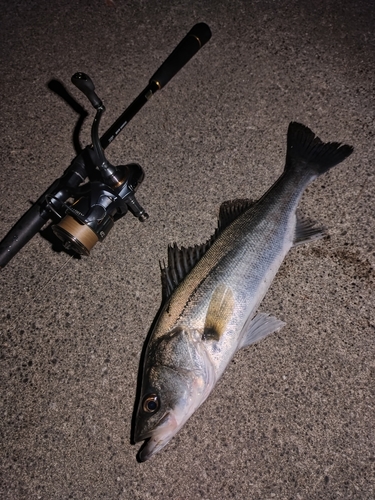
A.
x: 185, y: 50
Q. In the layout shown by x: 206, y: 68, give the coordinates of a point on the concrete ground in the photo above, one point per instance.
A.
x: 293, y: 417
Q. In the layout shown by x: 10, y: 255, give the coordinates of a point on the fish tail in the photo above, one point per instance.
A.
x: 305, y: 151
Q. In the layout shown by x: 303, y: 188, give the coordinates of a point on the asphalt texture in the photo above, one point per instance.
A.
x: 293, y: 417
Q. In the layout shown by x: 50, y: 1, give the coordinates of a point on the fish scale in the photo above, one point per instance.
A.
x: 210, y: 303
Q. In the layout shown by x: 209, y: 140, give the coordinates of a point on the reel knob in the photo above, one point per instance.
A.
x: 136, y: 209
x: 84, y: 83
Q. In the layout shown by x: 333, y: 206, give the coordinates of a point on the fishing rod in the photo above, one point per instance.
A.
x: 92, y: 194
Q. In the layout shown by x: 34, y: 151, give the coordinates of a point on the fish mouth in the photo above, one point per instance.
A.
x: 148, y: 449
x: 138, y: 437
x: 158, y: 437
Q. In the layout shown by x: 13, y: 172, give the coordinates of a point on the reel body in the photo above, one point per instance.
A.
x: 90, y: 218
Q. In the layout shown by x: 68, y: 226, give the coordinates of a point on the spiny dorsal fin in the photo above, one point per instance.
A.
x: 219, y: 313
x: 182, y: 260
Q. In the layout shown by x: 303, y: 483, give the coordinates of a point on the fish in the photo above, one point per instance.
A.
x: 211, y: 292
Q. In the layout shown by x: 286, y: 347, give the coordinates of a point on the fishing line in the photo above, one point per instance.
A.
x: 43, y: 287
x: 51, y: 279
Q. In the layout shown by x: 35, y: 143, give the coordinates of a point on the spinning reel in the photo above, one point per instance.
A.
x: 103, y: 201
x: 92, y: 194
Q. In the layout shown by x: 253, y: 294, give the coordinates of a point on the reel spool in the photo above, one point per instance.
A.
x: 75, y: 236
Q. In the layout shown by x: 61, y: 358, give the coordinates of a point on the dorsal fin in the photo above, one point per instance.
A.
x: 182, y: 260
x: 230, y: 210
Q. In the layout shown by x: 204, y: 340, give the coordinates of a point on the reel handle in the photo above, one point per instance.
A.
x: 185, y: 50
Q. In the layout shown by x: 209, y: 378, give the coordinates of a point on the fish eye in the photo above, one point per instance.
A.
x: 151, y: 403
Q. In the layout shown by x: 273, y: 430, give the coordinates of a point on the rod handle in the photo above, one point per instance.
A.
x: 21, y: 233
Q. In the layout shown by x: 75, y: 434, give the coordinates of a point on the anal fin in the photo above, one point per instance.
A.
x: 306, y: 231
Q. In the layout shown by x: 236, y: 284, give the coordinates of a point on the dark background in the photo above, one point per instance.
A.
x: 293, y: 417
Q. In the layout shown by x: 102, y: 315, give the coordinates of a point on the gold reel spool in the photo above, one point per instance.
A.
x: 78, y: 237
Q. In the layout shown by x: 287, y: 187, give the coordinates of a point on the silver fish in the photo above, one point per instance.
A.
x: 211, y: 292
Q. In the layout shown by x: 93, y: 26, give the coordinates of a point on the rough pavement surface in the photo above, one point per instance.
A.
x: 293, y: 417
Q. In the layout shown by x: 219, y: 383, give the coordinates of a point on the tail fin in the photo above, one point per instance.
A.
x: 306, y: 151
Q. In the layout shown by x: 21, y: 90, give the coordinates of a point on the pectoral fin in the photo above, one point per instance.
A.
x: 258, y: 328
x: 219, y: 312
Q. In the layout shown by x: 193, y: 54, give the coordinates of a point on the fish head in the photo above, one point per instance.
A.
x: 177, y: 378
